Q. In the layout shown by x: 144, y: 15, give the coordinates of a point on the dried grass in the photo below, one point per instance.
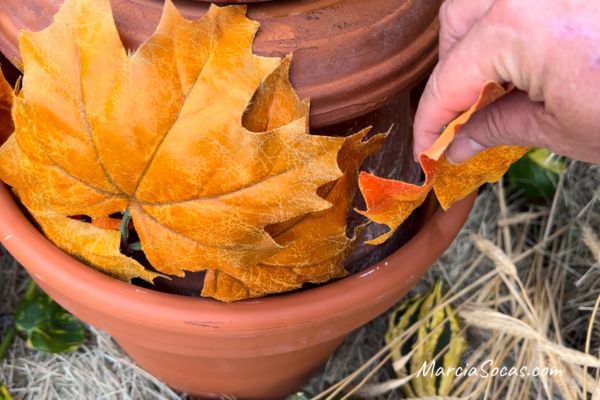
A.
x: 99, y: 370
x: 526, y: 282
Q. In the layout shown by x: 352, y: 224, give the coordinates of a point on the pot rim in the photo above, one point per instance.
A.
x: 332, y: 301
x: 373, y: 69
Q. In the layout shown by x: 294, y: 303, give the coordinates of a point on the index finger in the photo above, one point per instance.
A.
x: 456, y: 82
x: 457, y: 17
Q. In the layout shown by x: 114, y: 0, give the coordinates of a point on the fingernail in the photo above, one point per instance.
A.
x: 462, y: 149
x: 475, y: 145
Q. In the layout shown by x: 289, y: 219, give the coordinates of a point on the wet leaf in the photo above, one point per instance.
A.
x: 390, y: 202
x: 203, y: 142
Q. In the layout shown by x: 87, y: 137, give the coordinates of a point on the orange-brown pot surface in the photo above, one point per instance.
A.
x: 350, y: 56
x: 261, y: 349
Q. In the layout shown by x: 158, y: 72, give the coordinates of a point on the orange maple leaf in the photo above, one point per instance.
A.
x: 204, y: 142
x: 315, y: 246
x: 390, y: 202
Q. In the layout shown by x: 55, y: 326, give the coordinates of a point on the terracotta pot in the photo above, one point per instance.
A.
x: 261, y: 349
x: 356, y: 63
x: 350, y: 56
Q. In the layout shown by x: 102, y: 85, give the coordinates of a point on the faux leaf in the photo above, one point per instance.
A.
x: 390, y: 202
x: 46, y: 325
x: 314, y: 246
x: 204, y: 142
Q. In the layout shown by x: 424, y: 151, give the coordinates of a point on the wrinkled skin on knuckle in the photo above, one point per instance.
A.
x: 539, y: 128
x: 448, y: 31
x: 496, y: 127
x: 433, y: 86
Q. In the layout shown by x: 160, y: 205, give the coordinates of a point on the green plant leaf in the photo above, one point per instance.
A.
x: 536, y: 175
x: 4, y: 395
x: 47, y: 326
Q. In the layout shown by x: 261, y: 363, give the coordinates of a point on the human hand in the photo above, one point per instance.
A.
x: 550, y: 51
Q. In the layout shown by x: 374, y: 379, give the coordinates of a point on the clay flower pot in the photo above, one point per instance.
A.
x: 350, y: 56
x: 260, y: 349
x: 357, y: 64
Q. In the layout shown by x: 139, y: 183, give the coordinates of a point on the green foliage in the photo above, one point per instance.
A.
x: 536, y: 175
x: 7, y: 339
x: 46, y: 325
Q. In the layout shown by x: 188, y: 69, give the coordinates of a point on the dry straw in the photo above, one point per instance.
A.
x: 513, y: 280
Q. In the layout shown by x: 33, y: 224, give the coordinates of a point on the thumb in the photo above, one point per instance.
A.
x: 512, y: 120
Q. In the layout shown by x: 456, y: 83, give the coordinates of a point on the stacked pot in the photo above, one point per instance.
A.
x: 357, y: 61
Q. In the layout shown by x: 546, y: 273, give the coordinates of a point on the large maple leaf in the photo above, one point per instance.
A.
x: 166, y: 132
x: 390, y: 202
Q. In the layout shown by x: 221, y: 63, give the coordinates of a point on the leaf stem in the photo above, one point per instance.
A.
x: 11, y: 332
x: 7, y: 340
x: 31, y: 287
x: 124, y: 231
x: 124, y: 226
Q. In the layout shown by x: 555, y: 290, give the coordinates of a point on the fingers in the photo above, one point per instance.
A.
x: 458, y: 78
x: 514, y: 119
x: 457, y: 17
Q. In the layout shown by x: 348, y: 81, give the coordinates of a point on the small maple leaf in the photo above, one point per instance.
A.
x: 315, y: 246
x: 390, y: 202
